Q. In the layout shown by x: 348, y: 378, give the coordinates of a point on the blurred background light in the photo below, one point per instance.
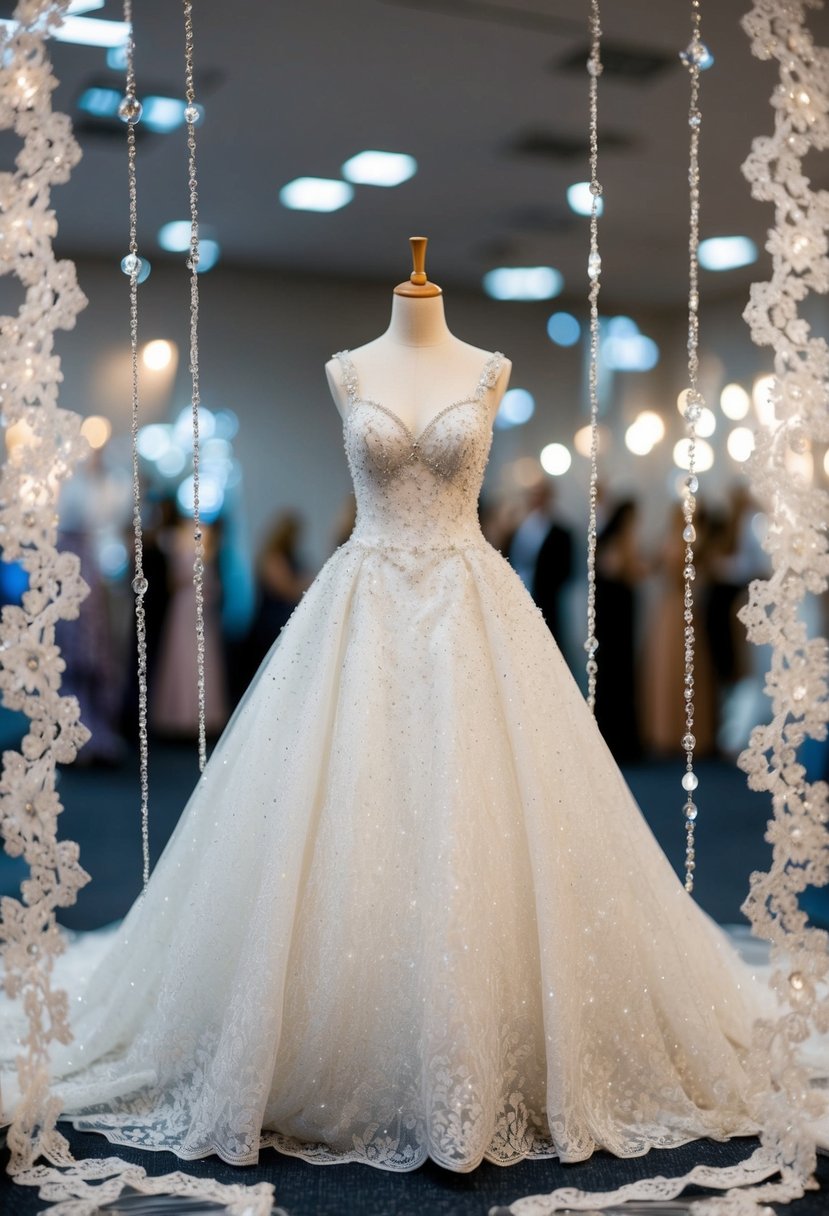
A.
x: 316, y: 194
x: 740, y: 443
x: 96, y: 430
x: 373, y: 168
x: 726, y: 252
x: 523, y: 283
x: 734, y: 402
x: 157, y: 354
x: 517, y: 407
x: 555, y: 459
x: 634, y: 353
x: 563, y: 329
x: 704, y: 455
x: 580, y: 199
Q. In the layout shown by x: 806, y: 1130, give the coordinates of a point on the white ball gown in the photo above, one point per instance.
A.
x: 411, y: 908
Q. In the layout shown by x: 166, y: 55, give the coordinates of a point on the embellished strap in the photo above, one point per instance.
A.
x: 490, y: 373
x: 349, y: 376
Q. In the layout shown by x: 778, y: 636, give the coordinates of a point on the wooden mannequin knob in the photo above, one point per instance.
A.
x: 418, y: 284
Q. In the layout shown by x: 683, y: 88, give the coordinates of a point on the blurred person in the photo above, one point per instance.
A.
x: 553, y: 571
x: 346, y: 519
x: 531, y: 532
x: 94, y: 505
x: 499, y: 518
x: 736, y: 558
x: 619, y: 570
x: 174, y: 707
x: 663, y: 661
x: 280, y: 583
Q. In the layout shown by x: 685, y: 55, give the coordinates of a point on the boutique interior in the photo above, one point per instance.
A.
x: 324, y: 134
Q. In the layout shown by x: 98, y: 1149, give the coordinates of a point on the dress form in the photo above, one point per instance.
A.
x: 417, y: 367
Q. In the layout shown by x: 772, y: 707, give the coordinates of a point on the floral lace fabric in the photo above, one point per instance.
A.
x: 411, y: 908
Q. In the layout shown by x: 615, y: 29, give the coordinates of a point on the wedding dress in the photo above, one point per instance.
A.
x: 411, y: 908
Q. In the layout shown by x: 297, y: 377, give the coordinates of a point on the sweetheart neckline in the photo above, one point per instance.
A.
x: 415, y: 439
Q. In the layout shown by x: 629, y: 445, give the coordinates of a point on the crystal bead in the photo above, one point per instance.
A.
x: 132, y: 265
x: 697, y: 54
x: 688, y: 742
x: 692, y: 483
x: 198, y: 567
x: 140, y: 585
x: 130, y: 109
x: 693, y: 405
x: 689, y: 781
x: 799, y: 692
x: 591, y: 645
x: 689, y: 572
x: 797, y: 981
x: 595, y: 189
x: 594, y: 67
x: 33, y: 662
x: 29, y: 808
x: 32, y: 949
x: 594, y: 266
x: 689, y: 533
x: 694, y: 118
x: 192, y: 113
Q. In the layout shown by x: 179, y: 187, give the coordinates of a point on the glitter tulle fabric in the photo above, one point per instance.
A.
x: 411, y: 908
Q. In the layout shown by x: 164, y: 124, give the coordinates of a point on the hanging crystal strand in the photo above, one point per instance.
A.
x: 594, y: 270
x: 191, y: 116
x: 695, y: 54
x: 130, y: 112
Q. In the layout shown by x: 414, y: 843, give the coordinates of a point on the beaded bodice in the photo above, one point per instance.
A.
x: 417, y: 489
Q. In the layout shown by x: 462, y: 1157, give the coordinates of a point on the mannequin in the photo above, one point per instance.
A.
x: 417, y: 367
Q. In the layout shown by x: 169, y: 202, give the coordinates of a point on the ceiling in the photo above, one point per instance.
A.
x: 295, y: 87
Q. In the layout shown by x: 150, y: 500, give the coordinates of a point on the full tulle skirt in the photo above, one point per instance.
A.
x: 412, y: 909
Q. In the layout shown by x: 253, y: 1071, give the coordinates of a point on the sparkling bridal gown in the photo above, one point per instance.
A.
x: 411, y: 908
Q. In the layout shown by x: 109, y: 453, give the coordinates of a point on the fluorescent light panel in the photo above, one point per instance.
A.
x: 315, y: 194
x: 372, y: 168
x: 523, y: 283
x: 727, y: 252
x: 92, y: 31
x: 100, y: 102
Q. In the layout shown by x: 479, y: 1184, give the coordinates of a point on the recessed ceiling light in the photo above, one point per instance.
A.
x: 727, y: 252
x: 100, y: 102
x: 163, y: 114
x: 523, y: 283
x: 563, y: 329
x: 635, y: 353
x: 316, y: 194
x: 581, y: 200
x: 379, y: 168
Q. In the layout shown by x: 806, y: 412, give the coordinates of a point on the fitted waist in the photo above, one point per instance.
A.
x: 368, y: 538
